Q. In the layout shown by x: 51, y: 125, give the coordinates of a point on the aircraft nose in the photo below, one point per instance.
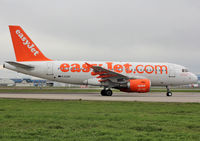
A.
x: 194, y: 78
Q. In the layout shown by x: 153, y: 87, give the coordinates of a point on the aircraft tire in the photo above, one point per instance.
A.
x: 109, y: 92
x: 103, y: 92
x: 169, y: 93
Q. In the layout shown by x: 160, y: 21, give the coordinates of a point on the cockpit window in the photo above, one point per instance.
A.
x: 185, y: 70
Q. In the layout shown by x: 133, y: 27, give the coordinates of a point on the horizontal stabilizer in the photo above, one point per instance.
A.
x: 19, y: 65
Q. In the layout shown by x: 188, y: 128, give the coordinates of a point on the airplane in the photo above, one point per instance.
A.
x: 129, y: 77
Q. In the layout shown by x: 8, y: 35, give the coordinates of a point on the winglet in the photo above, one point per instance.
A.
x: 25, y: 49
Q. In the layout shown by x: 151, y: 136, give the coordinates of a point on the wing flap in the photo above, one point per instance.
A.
x: 106, y: 75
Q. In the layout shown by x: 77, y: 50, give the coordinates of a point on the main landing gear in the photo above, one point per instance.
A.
x: 169, y: 93
x: 106, y: 92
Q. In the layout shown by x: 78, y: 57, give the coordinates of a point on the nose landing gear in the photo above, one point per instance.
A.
x: 169, y: 93
x: 106, y: 92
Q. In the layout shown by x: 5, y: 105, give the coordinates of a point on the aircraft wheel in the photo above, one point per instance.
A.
x: 169, y: 93
x: 109, y: 92
x: 103, y: 92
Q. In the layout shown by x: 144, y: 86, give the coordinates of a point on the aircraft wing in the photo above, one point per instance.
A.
x: 20, y: 65
x: 109, y: 76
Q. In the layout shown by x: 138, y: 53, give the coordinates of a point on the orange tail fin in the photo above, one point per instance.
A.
x: 25, y: 49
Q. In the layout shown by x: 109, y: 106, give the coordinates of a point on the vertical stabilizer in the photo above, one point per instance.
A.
x: 25, y: 49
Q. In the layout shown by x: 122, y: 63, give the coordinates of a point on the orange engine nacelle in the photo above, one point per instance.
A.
x: 138, y: 85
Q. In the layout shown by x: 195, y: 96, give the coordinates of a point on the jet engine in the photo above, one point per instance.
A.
x: 137, y: 85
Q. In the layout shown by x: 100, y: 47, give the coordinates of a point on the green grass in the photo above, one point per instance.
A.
x: 98, y: 121
x: 76, y: 90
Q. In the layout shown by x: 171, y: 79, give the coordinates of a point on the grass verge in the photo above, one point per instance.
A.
x: 89, y: 120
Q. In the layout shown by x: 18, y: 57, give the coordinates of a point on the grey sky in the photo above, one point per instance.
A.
x: 118, y: 30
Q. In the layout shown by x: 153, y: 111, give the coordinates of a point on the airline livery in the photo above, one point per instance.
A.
x: 124, y: 76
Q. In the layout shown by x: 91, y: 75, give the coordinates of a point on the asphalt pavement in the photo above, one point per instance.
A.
x: 188, y: 97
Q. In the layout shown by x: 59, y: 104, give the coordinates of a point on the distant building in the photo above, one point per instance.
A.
x: 23, y: 82
x: 5, y: 82
x: 27, y: 82
x: 39, y: 82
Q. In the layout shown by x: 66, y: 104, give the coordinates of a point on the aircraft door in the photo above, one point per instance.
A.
x: 49, y: 68
x: 172, y: 72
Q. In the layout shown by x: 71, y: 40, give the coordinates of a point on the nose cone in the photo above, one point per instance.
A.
x: 194, y: 78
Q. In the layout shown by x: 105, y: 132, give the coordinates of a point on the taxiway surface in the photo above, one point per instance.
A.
x: 189, y: 97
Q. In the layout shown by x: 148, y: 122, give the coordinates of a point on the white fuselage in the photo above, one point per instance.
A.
x: 76, y: 72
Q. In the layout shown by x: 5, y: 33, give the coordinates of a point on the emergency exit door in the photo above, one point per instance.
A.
x: 49, y: 68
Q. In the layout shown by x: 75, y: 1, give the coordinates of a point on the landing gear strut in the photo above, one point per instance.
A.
x: 169, y: 93
x: 106, y: 92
